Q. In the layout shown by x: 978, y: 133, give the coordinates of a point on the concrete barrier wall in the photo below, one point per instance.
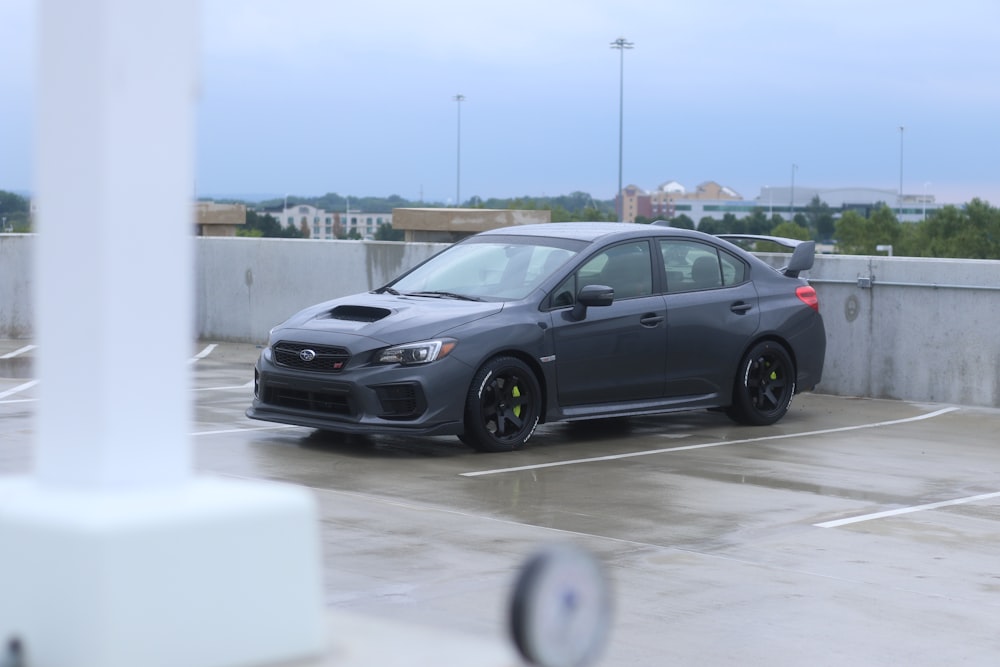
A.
x: 899, y: 328
x: 16, y: 266
x: 910, y: 328
x: 245, y: 286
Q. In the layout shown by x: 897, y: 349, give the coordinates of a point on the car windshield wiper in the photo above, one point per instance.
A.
x: 445, y: 295
x: 383, y: 290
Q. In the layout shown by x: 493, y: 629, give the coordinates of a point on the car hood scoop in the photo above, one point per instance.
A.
x: 355, y: 313
x: 390, y: 318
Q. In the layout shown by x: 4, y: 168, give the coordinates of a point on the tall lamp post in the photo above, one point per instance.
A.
x: 900, y: 196
x: 458, y: 155
x: 791, y: 199
x: 621, y: 44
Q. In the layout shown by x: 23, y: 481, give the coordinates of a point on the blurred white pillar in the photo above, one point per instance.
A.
x: 114, y: 553
x: 116, y: 112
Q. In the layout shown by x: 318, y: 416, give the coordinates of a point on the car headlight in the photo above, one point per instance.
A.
x: 416, y: 353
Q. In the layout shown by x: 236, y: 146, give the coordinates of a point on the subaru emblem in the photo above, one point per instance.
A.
x: 307, y: 355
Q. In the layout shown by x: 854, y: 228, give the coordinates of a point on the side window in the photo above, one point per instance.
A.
x: 565, y: 294
x: 695, y: 266
x: 733, y: 269
x: 625, y: 268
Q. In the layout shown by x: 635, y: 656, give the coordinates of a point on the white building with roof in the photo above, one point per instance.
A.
x: 327, y: 225
x: 713, y: 200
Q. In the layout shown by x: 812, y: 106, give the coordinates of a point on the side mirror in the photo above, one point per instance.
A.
x: 591, y: 295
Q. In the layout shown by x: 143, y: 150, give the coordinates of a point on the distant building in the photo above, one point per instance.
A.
x: 671, y: 199
x: 213, y: 219
x: 327, y: 225
x: 447, y: 225
x: 908, y: 208
x: 712, y: 200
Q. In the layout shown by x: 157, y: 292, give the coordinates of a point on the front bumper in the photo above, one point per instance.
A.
x: 417, y: 400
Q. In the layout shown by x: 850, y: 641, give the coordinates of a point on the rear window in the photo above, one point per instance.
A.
x: 691, y: 266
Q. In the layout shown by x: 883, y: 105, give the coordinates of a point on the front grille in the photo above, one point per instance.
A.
x: 314, y: 401
x: 328, y: 359
x: 399, y: 401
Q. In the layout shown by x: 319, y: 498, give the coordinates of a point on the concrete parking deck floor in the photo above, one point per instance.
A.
x: 854, y: 532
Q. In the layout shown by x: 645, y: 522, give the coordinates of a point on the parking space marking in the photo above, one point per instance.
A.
x: 234, y: 387
x: 706, y: 445
x: 204, y: 353
x: 275, y: 427
x: 15, y: 353
x: 19, y: 388
x: 906, y: 510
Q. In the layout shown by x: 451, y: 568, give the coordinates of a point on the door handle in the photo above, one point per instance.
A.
x: 651, y: 319
x: 740, y: 307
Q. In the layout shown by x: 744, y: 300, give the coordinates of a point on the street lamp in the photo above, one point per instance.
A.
x: 791, y: 200
x: 458, y: 159
x: 621, y: 44
x: 901, y: 130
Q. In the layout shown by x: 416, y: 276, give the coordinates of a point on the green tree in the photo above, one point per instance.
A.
x: 682, y: 221
x: 11, y: 202
x: 857, y: 235
x: 790, y: 230
x: 15, y: 211
x: 265, y: 224
x: 732, y: 225
x: 969, y: 232
x: 757, y: 223
x: 385, y: 232
x: 710, y: 225
x: 819, y: 219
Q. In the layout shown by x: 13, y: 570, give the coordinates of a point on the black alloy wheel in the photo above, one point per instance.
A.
x: 765, y: 384
x: 502, y: 406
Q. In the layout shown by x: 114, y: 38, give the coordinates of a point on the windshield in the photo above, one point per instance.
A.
x: 489, y: 269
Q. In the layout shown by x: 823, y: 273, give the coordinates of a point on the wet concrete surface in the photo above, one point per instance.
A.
x: 855, y: 531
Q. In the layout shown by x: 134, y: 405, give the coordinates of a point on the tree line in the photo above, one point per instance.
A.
x: 971, y: 231
x: 15, y: 213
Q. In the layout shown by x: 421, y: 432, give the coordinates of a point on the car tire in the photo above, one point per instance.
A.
x: 502, y: 406
x: 764, y: 386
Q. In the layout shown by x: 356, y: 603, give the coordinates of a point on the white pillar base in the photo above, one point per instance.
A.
x: 211, y: 573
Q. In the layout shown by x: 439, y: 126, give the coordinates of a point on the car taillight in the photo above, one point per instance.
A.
x: 808, y: 296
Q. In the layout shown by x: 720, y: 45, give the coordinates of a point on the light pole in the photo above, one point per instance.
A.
x: 900, y: 197
x: 621, y: 44
x: 791, y: 199
x: 458, y: 155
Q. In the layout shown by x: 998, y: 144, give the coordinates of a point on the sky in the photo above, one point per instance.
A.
x: 307, y: 97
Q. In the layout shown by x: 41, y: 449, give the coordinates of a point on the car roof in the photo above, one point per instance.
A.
x: 591, y: 231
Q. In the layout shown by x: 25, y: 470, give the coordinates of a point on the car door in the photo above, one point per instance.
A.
x: 712, y: 312
x: 617, y: 352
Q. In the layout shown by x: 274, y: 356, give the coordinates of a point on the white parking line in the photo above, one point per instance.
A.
x: 204, y: 353
x: 906, y: 510
x: 15, y: 353
x: 19, y: 388
x: 244, y: 430
x: 706, y: 445
x: 240, y: 387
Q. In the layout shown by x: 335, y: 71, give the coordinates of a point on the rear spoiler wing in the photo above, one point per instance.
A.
x: 803, y: 252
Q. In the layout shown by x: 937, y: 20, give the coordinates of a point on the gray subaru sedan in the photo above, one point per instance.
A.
x: 539, y: 323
